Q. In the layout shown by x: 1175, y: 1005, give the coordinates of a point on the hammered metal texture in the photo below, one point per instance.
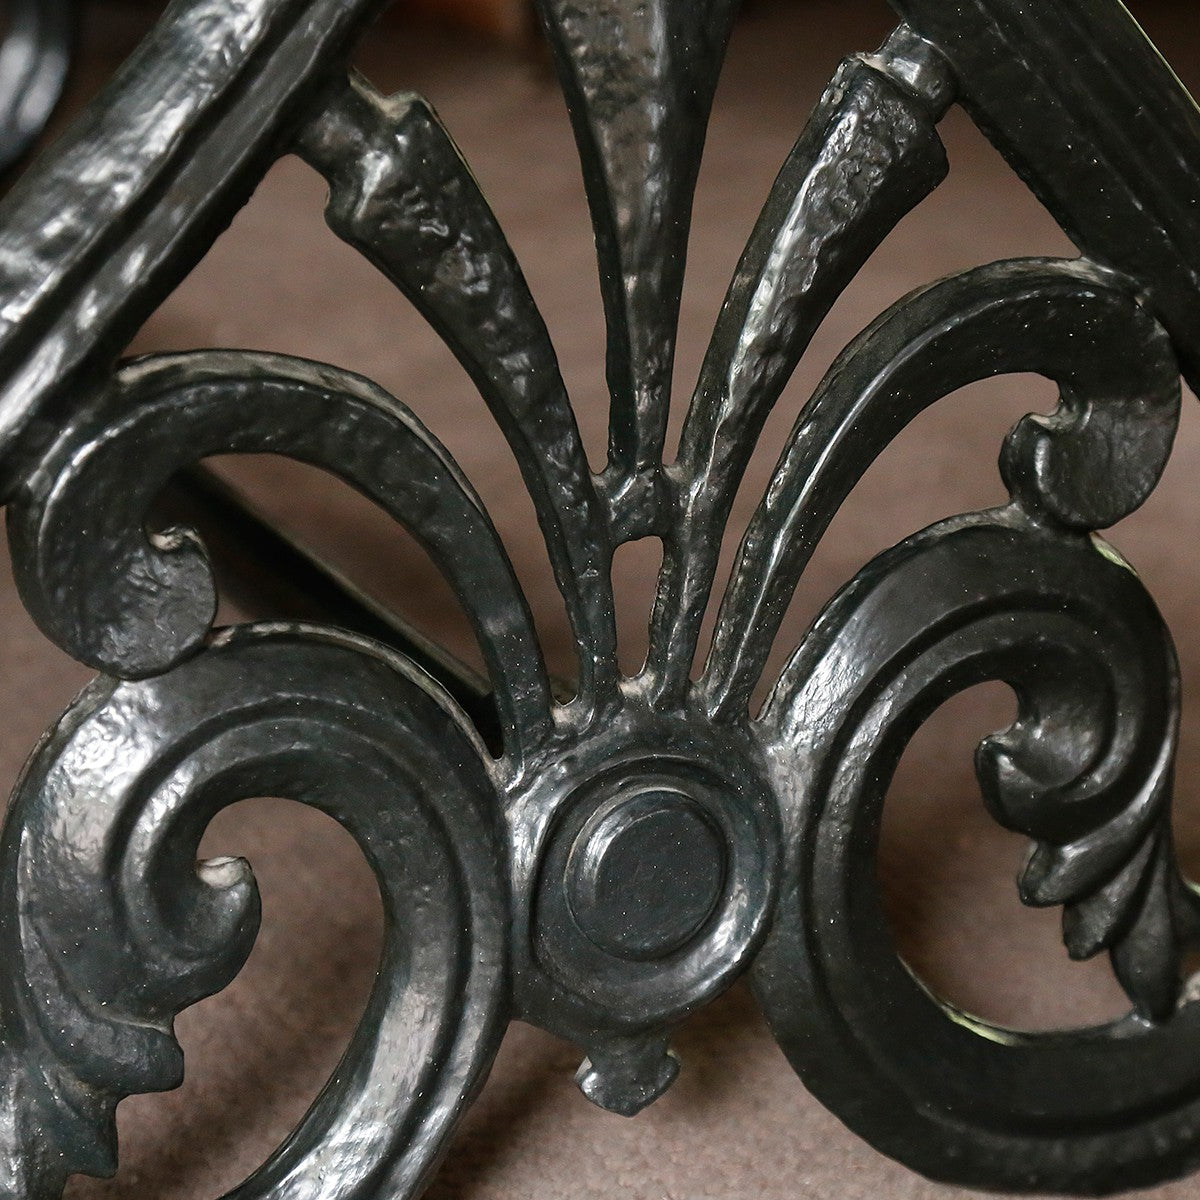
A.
x: 603, y: 856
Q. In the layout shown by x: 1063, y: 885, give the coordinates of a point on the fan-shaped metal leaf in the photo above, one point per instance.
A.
x: 639, y: 77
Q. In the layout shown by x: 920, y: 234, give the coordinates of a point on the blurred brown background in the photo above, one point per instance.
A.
x: 738, y: 1123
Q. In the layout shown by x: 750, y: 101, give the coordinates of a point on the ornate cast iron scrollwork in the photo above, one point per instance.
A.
x: 603, y: 866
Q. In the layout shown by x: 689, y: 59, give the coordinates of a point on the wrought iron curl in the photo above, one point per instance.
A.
x: 1085, y: 770
x: 1085, y: 467
x: 626, y: 855
x: 136, y: 605
x: 117, y: 927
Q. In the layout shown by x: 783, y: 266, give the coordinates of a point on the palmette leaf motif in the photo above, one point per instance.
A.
x: 402, y: 195
x: 869, y: 154
x: 639, y: 81
x: 620, y: 858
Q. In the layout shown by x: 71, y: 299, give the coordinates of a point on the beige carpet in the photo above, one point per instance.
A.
x: 738, y: 1123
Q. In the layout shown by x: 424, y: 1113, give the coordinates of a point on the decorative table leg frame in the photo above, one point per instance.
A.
x: 612, y: 863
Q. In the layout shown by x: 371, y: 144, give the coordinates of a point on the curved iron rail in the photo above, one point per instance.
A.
x: 602, y: 865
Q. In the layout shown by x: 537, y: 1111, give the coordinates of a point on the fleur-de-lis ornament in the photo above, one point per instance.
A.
x: 609, y: 862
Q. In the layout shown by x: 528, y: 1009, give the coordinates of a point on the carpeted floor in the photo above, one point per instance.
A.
x: 738, y: 1123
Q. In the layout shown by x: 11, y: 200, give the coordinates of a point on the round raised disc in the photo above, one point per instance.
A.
x: 645, y: 873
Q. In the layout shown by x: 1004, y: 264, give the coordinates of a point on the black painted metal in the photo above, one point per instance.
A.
x: 269, y: 575
x: 604, y: 863
x: 35, y: 55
